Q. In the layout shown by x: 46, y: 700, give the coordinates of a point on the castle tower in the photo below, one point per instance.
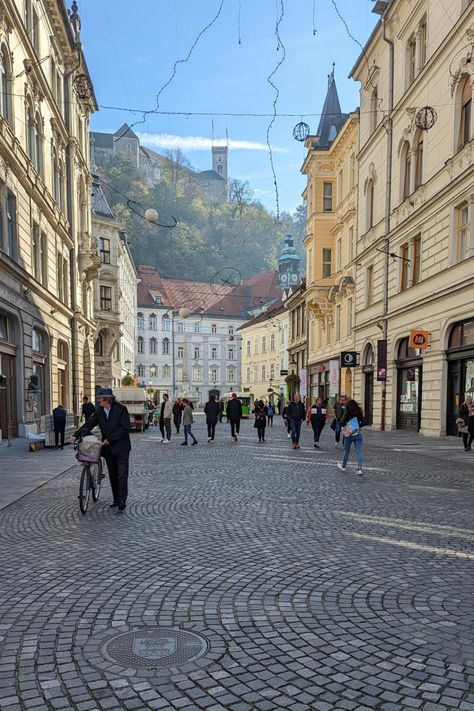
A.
x: 288, y: 265
x: 219, y: 160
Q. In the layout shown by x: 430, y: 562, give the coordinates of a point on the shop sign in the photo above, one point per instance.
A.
x: 333, y: 377
x: 349, y: 359
x: 321, y: 368
x: 419, y: 339
x: 303, y: 383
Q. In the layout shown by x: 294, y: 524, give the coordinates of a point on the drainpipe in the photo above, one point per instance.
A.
x: 388, y: 208
x: 71, y: 215
x: 173, y: 356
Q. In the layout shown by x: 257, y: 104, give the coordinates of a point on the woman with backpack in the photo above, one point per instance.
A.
x: 352, y: 422
x: 260, y: 412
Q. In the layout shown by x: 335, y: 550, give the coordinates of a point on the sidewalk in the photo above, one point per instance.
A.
x: 449, y: 449
x: 22, y: 471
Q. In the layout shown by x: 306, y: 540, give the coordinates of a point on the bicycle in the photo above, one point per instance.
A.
x: 91, y: 475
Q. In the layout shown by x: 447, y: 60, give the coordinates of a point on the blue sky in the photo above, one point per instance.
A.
x: 131, y: 49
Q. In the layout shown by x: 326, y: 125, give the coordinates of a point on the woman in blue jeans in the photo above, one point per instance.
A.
x: 353, y: 418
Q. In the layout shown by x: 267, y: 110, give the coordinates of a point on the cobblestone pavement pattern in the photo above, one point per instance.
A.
x: 315, y: 589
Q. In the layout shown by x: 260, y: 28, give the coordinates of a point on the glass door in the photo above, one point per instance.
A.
x: 409, y: 398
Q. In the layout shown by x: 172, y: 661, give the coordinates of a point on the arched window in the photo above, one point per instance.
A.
x: 462, y: 334
x: 418, y: 159
x: 99, y: 345
x: 166, y: 346
x: 30, y: 135
x: 465, y: 117
x: 152, y: 346
x: 140, y: 321
x: 165, y: 322
x: 406, y: 170
x: 404, y: 351
x: 152, y: 322
x: 140, y: 345
x: 5, y: 85
x: 370, y: 204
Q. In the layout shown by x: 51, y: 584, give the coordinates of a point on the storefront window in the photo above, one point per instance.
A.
x: 460, y: 356
x: 409, y: 370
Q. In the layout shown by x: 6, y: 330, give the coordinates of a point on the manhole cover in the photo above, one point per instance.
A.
x: 154, y: 649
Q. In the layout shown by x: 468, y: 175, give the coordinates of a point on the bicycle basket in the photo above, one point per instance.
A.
x: 89, y: 450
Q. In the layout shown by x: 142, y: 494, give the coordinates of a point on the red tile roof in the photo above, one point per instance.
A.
x: 260, y: 289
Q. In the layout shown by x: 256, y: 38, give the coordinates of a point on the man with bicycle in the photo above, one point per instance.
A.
x: 114, y: 423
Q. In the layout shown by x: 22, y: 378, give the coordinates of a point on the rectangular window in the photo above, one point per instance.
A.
x: 11, y: 224
x: 106, y: 298
x: 340, y: 183
x: 463, y: 228
x: 369, y: 285
x: 213, y: 352
x: 59, y: 277
x: 35, y: 32
x: 197, y: 327
x: 197, y: 352
x: 350, y: 251
x: 247, y: 378
x: 327, y: 197
x: 44, y: 259
x: 327, y: 263
x: 264, y: 344
x: 411, y: 59
x: 180, y: 351
x: 272, y: 342
x: 231, y: 330
x: 180, y: 327
x: 213, y: 375
x: 248, y: 348
x: 230, y: 375
x: 405, y: 261
x: 197, y: 375
x: 338, y: 255
x: 416, y: 272
x: 352, y: 171
x: 104, y: 251
x: 338, y: 322
x: 255, y: 345
x: 423, y: 44
x: 264, y: 373
x: 231, y: 354
x: 66, y: 280
x: 35, y: 252
x: 349, y: 317
x: 214, y: 328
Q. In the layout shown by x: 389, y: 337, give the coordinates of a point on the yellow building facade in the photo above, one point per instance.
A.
x: 331, y: 198
x: 414, y: 227
x: 265, y: 354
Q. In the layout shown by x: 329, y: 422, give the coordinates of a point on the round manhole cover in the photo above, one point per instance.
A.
x: 154, y: 649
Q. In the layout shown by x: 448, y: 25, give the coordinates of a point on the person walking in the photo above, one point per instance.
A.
x: 352, y: 422
x: 212, y: 411
x: 114, y: 421
x: 317, y: 415
x: 261, y: 412
x: 284, y: 415
x: 270, y: 414
x: 87, y: 409
x: 187, y: 422
x: 165, y: 419
x: 234, y: 415
x: 59, y: 424
x: 296, y: 415
x: 177, y: 414
x: 466, y: 423
x: 338, y: 413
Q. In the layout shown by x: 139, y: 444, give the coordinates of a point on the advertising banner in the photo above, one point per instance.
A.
x: 303, y: 382
x: 333, y: 377
x: 381, y: 360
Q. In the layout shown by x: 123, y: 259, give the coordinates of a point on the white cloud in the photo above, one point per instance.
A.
x: 200, y: 143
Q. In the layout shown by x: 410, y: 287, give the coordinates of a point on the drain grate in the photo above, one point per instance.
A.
x: 154, y: 649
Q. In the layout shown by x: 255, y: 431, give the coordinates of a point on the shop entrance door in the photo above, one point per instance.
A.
x: 369, y: 396
x: 409, y: 398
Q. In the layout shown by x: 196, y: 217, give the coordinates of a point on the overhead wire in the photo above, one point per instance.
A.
x: 280, y: 16
x: 174, y: 70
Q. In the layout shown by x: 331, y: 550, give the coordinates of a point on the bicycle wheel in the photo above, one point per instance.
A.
x: 96, y: 479
x: 84, y: 488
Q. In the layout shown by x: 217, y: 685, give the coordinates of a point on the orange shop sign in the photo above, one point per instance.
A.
x: 419, y: 339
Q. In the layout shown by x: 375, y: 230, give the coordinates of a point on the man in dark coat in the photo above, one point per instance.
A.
x: 59, y: 422
x: 234, y: 415
x: 296, y: 415
x: 114, y: 422
x: 211, y: 410
x: 88, y: 409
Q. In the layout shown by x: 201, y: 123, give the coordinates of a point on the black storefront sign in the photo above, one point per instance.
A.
x: 349, y: 359
x: 381, y: 360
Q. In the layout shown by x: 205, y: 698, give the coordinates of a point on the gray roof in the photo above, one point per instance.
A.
x: 332, y: 119
x: 209, y: 175
x: 103, y: 140
x: 100, y: 206
x: 125, y: 132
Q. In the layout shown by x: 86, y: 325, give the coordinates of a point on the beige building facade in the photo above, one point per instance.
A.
x: 331, y: 198
x: 46, y: 254
x: 415, y: 222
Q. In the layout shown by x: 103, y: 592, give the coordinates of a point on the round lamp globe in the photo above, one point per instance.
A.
x: 152, y: 215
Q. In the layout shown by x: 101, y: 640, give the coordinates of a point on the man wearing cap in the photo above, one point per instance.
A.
x: 234, y: 415
x: 114, y: 422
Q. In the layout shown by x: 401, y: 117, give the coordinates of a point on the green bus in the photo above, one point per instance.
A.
x: 244, y: 399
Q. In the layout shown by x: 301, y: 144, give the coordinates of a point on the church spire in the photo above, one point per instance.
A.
x: 332, y: 118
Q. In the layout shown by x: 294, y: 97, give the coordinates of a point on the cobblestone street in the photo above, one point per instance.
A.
x: 312, y: 588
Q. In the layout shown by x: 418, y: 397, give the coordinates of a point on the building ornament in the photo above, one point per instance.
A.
x: 89, y: 261
x: 464, y: 63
